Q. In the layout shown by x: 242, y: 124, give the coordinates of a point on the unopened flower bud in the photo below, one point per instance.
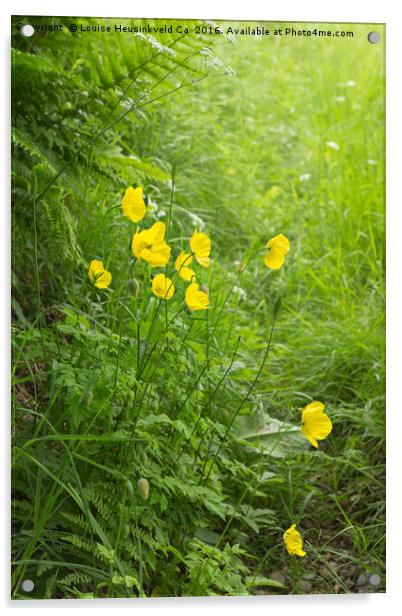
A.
x: 133, y: 287
x: 130, y: 488
x: 143, y: 488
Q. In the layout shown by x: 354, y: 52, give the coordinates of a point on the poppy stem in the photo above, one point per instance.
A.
x: 166, y: 325
x: 211, y: 397
x: 261, y: 563
x: 116, y: 374
x: 215, y: 413
x: 171, y: 202
x: 167, y: 241
x: 245, y: 398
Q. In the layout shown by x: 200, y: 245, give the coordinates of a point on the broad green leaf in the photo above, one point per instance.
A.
x: 271, y: 436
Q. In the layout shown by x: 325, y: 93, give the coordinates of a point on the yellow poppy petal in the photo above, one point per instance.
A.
x: 100, y: 277
x: 316, y: 425
x: 187, y: 274
x: 204, y: 261
x: 316, y: 405
x: 293, y: 541
x: 95, y: 268
x: 280, y: 244
x: 136, y: 245
x: 184, y: 259
x: 320, y: 426
x: 162, y: 286
x: 157, y: 231
x: 156, y: 256
x: 299, y: 552
x: 274, y: 260
x: 104, y: 280
x: 196, y: 299
x: 181, y: 264
x: 200, y: 245
x: 133, y: 204
x: 149, y: 245
x: 309, y: 436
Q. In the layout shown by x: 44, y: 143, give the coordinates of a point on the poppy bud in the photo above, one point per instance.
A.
x: 133, y: 287
x: 143, y: 488
x: 204, y: 289
x: 130, y: 488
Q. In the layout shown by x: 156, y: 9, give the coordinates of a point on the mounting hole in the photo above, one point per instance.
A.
x: 27, y: 30
x: 27, y: 586
x: 373, y: 37
x: 374, y: 579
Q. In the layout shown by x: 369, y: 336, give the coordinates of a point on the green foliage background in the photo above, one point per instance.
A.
x: 264, y: 136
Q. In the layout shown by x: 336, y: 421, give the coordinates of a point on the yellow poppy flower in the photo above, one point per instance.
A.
x: 133, y: 204
x: 181, y: 264
x: 293, y: 541
x: 315, y: 423
x: 278, y: 248
x: 201, y: 247
x: 100, y: 277
x: 196, y: 299
x: 162, y: 287
x: 149, y: 245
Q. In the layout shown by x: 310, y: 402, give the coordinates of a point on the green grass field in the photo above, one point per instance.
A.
x: 243, y: 139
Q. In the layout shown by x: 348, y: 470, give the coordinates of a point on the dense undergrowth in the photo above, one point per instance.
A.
x: 243, y: 140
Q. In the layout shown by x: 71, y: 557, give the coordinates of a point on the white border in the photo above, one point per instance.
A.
x: 370, y: 11
x: 290, y: 10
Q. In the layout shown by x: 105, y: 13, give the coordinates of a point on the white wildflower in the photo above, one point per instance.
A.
x: 333, y: 145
